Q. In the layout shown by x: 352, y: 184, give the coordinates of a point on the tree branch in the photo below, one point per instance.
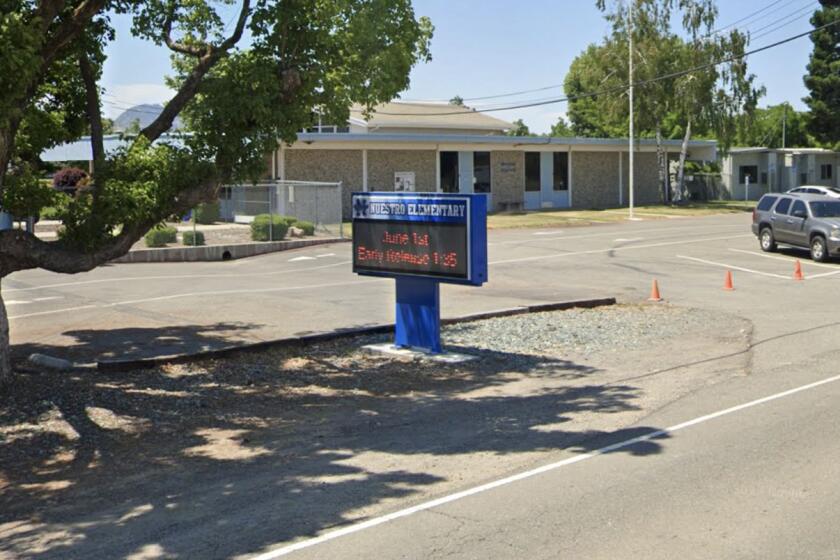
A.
x: 189, y: 50
x: 94, y: 116
x: 190, y: 86
x: 22, y: 250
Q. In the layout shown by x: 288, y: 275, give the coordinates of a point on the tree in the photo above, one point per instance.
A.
x: 561, y: 128
x: 823, y: 77
x: 766, y: 126
x: 458, y: 101
x: 519, y: 129
x: 237, y: 102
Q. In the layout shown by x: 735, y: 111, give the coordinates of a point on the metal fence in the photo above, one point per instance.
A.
x: 318, y: 203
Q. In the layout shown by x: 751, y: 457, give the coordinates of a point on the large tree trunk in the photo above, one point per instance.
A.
x: 681, y: 170
x: 661, y: 162
x: 5, y: 346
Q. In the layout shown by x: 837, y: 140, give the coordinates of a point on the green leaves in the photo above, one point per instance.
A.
x: 823, y: 77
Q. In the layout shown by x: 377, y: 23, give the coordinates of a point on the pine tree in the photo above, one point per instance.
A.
x: 823, y: 77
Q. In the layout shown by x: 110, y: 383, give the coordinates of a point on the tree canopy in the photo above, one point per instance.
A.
x: 823, y: 76
x: 304, y: 57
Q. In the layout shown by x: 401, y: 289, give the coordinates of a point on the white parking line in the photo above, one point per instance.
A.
x: 196, y: 294
x: 373, y: 522
x: 173, y: 277
x: 547, y: 235
x: 629, y: 240
x: 823, y: 275
x: 781, y: 258
x: 733, y: 267
x: 617, y: 249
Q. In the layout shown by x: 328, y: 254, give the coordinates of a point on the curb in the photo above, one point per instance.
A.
x: 230, y: 251
x: 145, y: 363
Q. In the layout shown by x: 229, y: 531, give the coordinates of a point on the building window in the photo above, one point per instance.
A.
x: 481, y: 172
x: 561, y: 171
x: 532, y: 171
x: 763, y: 178
x: 825, y: 171
x: 745, y: 171
x: 449, y: 172
x: 803, y: 178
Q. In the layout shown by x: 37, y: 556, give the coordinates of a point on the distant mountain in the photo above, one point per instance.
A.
x: 143, y: 115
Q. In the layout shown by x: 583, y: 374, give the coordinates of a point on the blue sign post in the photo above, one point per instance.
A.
x: 420, y: 240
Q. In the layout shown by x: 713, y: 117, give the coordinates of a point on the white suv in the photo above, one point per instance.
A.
x: 817, y: 189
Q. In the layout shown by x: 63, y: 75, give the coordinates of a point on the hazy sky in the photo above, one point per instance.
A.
x: 489, y: 47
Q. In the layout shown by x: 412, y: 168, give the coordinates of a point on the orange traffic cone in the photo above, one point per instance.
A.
x: 797, y: 271
x: 654, y: 292
x: 727, y: 283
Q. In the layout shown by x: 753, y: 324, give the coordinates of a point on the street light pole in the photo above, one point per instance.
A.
x: 630, y: 39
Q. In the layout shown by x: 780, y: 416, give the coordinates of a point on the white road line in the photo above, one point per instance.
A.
x: 47, y: 298
x: 617, y: 249
x: 548, y: 233
x: 17, y: 302
x: 174, y: 277
x: 355, y: 528
x: 302, y: 258
x: 681, y: 230
x: 785, y: 259
x: 196, y: 294
x: 322, y: 255
x: 733, y: 267
x: 822, y: 275
x: 629, y: 240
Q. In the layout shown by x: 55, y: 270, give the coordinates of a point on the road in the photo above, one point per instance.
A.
x: 746, y: 467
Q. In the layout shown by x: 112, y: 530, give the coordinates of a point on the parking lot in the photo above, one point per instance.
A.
x: 127, y: 311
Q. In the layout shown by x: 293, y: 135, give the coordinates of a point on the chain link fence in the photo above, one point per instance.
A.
x: 314, y: 202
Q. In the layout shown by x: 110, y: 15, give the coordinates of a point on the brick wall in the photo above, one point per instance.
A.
x: 327, y: 165
x: 508, y: 178
x: 382, y: 164
x: 594, y: 179
x: 645, y: 177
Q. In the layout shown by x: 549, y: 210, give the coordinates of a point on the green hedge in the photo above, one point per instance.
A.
x: 159, y: 236
x: 207, y: 213
x: 307, y: 227
x: 260, y: 229
x: 192, y: 239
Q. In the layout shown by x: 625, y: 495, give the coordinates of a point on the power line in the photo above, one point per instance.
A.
x: 807, y: 11
x: 622, y: 87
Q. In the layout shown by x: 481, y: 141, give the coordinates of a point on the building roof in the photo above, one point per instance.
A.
x: 398, y: 114
x: 760, y: 149
x: 80, y: 150
x: 312, y: 138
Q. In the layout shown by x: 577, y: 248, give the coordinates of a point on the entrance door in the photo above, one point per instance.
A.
x: 546, y: 180
x: 533, y: 181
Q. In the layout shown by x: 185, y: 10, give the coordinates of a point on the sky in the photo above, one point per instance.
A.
x: 494, y: 47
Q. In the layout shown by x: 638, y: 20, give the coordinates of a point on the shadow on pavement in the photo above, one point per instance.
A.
x: 218, y: 459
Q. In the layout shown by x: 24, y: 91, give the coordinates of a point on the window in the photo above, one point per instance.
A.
x: 745, y: 171
x: 828, y: 209
x: 825, y: 171
x: 532, y: 171
x: 803, y: 178
x: 561, y: 171
x: 449, y: 172
x: 481, y: 172
x: 798, y: 206
x: 766, y: 203
x: 782, y: 206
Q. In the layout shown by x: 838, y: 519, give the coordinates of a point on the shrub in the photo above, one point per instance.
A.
x: 265, y: 223
x: 68, y: 178
x: 192, y: 238
x: 160, y: 235
x: 207, y: 213
x: 307, y: 227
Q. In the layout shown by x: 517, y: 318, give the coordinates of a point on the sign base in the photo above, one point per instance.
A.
x: 418, y: 314
x: 443, y: 357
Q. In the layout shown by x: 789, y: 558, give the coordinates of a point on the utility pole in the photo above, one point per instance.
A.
x: 630, y: 40
x: 784, y: 125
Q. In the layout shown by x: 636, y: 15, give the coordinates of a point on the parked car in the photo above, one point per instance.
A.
x: 816, y: 189
x: 811, y: 221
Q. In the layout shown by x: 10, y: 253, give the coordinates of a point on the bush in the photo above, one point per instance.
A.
x: 307, y: 227
x: 260, y: 229
x: 159, y: 236
x: 68, y: 178
x: 207, y: 213
x: 192, y: 239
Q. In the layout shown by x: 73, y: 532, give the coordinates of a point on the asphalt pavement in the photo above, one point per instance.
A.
x: 745, y: 467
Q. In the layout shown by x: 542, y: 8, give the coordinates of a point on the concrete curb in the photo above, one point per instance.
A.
x: 143, y: 363
x: 220, y: 252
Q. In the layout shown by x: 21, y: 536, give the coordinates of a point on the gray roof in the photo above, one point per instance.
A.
x: 80, y: 150
x: 488, y: 139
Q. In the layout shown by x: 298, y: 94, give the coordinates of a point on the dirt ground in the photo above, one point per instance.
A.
x: 96, y: 465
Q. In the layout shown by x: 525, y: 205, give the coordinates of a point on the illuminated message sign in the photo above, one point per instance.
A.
x: 433, y: 235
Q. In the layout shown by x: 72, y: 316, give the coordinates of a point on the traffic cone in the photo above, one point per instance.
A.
x: 654, y: 292
x: 727, y: 283
x: 797, y: 271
